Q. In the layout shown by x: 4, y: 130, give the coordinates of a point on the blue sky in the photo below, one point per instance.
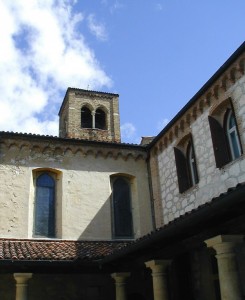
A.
x: 156, y: 54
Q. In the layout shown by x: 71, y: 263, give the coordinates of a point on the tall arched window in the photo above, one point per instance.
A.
x: 186, y: 165
x: 232, y: 135
x: 44, y: 221
x: 86, y: 117
x: 100, y: 119
x: 121, y: 208
x: 225, y: 135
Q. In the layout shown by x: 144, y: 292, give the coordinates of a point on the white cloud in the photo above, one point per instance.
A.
x: 129, y: 133
x: 41, y: 54
x: 161, y: 124
x: 159, y: 6
x: 116, y: 6
x: 96, y: 28
x: 112, y: 5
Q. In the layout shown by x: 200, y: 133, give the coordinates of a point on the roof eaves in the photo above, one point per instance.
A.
x: 203, y: 89
x: 71, y: 140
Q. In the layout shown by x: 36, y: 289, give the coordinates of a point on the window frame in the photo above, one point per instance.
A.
x: 102, y: 119
x: 186, y: 164
x: 229, y: 132
x: 115, y: 234
x: 89, y: 117
x: 220, y: 134
x: 51, y: 227
x: 191, y: 160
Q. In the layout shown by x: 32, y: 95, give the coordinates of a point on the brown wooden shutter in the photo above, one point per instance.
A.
x: 182, y: 171
x: 219, y: 142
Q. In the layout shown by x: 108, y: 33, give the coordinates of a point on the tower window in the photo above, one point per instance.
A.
x: 44, y: 221
x: 100, y: 119
x: 86, y: 118
x: 121, y: 207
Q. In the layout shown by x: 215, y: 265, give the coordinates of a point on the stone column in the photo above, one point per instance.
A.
x: 93, y: 119
x: 224, y: 245
x: 159, y: 277
x: 21, y: 285
x: 120, y: 283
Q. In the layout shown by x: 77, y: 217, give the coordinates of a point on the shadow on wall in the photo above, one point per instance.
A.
x: 71, y: 287
x: 100, y: 226
x: 135, y: 296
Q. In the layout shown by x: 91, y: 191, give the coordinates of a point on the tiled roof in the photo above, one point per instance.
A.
x: 189, y: 223
x: 70, y: 140
x: 50, y: 250
x: 57, y: 250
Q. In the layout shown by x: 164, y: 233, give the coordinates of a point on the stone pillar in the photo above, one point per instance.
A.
x: 224, y: 245
x: 93, y: 119
x: 159, y: 277
x: 21, y: 285
x: 120, y: 283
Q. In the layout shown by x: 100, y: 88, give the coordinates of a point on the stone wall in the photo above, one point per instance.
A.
x: 83, y: 189
x: 212, y: 180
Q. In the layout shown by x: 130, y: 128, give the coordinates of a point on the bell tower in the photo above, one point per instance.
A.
x: 90, y: 115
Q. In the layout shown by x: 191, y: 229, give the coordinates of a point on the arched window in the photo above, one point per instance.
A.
x: 121, y: 208
x: 186, y: 165
x: 225, y: 136
x: 86, y: 117
x: 232, y: 135
x: 100, y: 119
x: 44, y: 221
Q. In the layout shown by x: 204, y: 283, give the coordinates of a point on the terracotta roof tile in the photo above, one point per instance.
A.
x: 13, y: 249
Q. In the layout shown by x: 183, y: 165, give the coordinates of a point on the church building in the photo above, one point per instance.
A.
x: 86, y: 216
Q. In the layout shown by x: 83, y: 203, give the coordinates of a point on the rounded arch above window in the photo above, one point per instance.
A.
x: 45, y: 180
x: 53, y: 172
x: 183, y: 142
x: 218, y: 110
x: 86, y: 117
x: 126, y: 176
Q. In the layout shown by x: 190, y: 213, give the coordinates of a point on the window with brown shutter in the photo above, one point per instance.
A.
x: 182, y: 170
x: 186, y: 166
x: 225, y: 136
x: 219, y: 142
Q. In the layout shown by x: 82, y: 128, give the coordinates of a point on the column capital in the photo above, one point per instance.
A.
x: 224, y: 244
x: 158, y: 264
x: 120, y: 284
x: 159, y: 276
x: 120, y: 277
x: 22, y: 278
